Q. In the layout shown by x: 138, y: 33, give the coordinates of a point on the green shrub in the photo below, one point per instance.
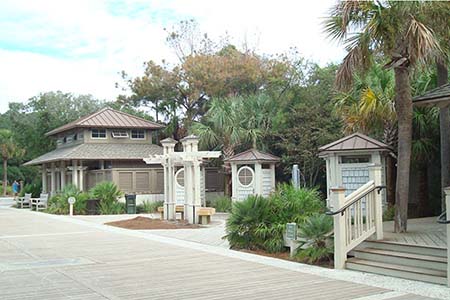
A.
x: 315, y: 230
x: 58, y: 204
x: 222, y: 204
x: 108, y: 193
x: 148, y: 207
x: 389, y: 213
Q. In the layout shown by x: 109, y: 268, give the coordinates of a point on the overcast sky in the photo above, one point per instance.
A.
x: 80, y: 46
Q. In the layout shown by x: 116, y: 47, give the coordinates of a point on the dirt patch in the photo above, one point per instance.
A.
x: 285, y: 256
x: 140, y: 223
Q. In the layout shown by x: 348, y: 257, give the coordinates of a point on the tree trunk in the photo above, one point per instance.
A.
x: 5, y: 175
x: 444, y: 124
x: 404, y: 109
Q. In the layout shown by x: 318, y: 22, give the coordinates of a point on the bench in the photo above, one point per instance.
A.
x: 178, y: 209
x: 204, y: 214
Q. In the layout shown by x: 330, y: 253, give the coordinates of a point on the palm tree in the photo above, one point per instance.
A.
x: 8, y: 149
x: 398, y: 32
x: 233, y: 122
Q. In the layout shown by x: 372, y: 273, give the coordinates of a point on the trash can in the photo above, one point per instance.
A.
x: 92, y: 206
x: 130, y: 204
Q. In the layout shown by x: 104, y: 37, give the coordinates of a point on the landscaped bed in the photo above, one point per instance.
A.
x: 141, y: 223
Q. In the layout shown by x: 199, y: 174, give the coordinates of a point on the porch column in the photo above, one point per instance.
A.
x: 52, y: 179
x: 44, y: 178
x: 81, y: 187
x: 234, y: 190
x: 257, y: 181
x: 447, y: 205
x: 272, y: 177
x: 62, y: 173
x: 337, y: 202
x: 375, y: 175
x: 74, y: 173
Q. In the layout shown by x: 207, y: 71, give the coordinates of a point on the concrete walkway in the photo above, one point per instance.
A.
x: 57, y: 257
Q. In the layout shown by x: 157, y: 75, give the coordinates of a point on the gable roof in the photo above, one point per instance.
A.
x: 439, y: 94
x: 356, y: 141
x: 107, y: 118
x: 99, y: 151
x: 253, y: 155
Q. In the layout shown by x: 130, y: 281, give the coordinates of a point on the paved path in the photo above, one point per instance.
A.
x: 57, y: 257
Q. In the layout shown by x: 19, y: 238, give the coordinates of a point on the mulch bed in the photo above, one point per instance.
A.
x: 140, y: 223
x: 284, y: 256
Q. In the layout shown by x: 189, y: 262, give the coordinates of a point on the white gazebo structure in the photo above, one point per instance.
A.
x: 183, y: 179
x: 252, y: 173
x: 348, y: 161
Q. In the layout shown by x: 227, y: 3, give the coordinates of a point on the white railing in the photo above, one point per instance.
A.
x: 357, y: 217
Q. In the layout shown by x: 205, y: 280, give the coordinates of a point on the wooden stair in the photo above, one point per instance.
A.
x: 422, y: 263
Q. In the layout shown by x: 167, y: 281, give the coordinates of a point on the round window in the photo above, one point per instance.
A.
x: 245, y: 176
x: 180, y: 177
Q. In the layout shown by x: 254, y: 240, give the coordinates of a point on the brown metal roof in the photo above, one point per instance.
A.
x: 253, y: 155
x: 108, y: 118
x: 356, y: 141
x: 434, y: 96
x: 99, y: 151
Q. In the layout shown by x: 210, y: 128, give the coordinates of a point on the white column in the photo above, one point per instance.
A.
x: 74, y: 173
x: 62, y: 169
x: 52, y: 179
x: 447, y: 205
x: 169, y: 182
x: 257, y: 182
x: 44, y: 178
x: 340, y: 253
x: 375, y: 175
x: 197, y: 199
x: 272, y: 177
x: 81, y: 176
x: 234, y: 187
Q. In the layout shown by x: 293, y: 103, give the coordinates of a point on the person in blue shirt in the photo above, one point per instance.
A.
x: 15, y: 188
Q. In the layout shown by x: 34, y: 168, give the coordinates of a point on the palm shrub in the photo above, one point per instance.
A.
x: 259, y: 223
x: 58, y: 204
x: 108, y: 193
x: 315, y: 230
x: 33, y: 188
x: 245, y: 218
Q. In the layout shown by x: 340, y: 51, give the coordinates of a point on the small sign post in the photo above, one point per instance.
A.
x: 291, y: 236
x: 71, y: 201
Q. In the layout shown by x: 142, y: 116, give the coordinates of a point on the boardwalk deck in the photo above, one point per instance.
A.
x: 422, y: 231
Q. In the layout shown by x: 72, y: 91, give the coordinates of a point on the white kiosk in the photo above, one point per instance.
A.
x: 348, y: 161
x: 252, y: 173
x: 182, y: 177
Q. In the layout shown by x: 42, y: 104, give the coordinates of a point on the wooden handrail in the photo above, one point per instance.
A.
x: 352, y: 201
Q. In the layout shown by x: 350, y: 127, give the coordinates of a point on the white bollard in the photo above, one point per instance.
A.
x: 71, y: 201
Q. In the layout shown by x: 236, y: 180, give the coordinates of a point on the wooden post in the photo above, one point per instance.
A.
x: 62, y: 172
x: 44, y: 178
x: 52, y: 179
x: 447, y: 205
x: 375, y: 175
x: 337, y: 201
x: 74, y: 173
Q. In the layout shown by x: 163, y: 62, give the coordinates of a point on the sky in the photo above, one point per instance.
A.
x: 81, y: 46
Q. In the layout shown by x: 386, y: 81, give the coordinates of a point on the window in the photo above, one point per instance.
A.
x: 180, y: 177
x: 245, y: 176
x: 75, y: 137
x: 119, y: 134
x: 69, y: 139
x: 98, y: 133
x: 138, y: 134
x: 354, y: 159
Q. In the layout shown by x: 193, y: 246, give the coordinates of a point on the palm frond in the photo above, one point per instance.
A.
x: 422, y: 43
